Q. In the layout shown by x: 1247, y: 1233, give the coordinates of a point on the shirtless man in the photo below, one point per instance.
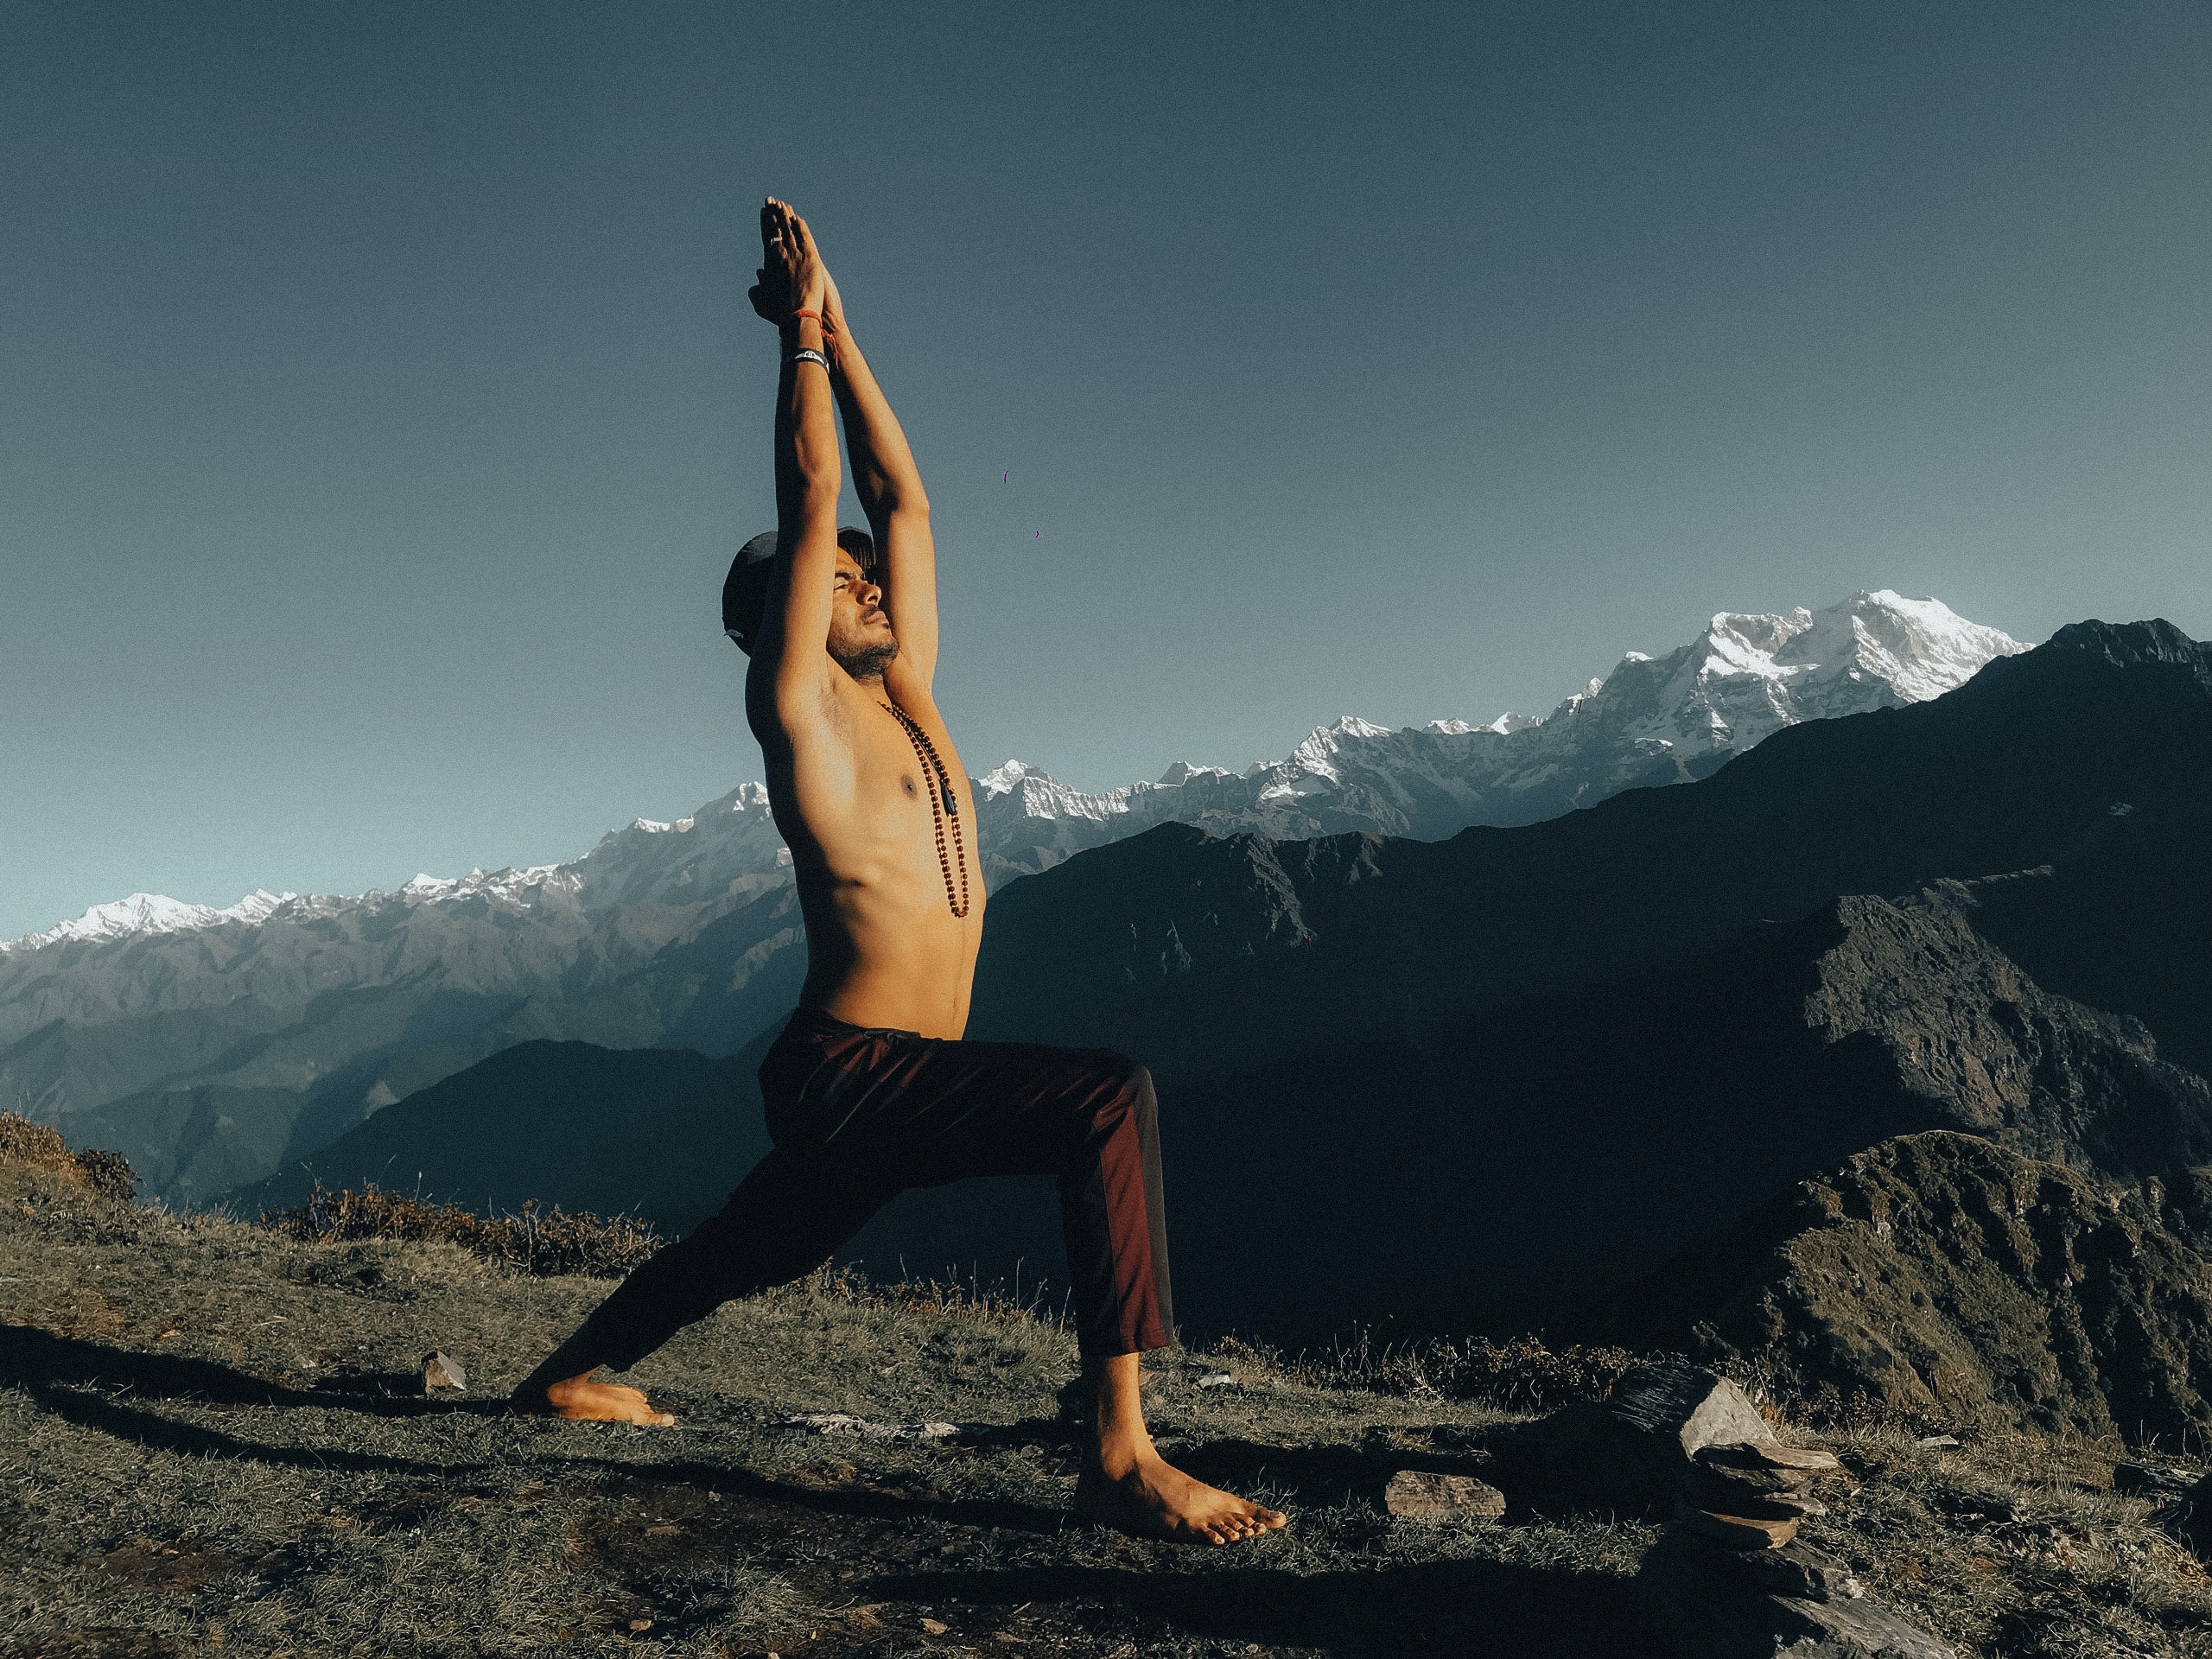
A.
x: 870, y: 1090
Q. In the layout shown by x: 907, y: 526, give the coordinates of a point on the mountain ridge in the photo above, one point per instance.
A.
x: 1756, y: 668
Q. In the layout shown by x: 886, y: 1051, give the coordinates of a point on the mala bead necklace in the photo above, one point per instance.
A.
x: 925, y: 751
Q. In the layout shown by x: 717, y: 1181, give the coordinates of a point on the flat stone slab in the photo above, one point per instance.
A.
x: 1802, y: 1570
x: 1764, y: 1506
x: 1420, y: 1496
x: 1758, y: 1480
x: 1744, y: 1531
x: 1636, y: 1447
x: 1780, y: 1464
x: 2153, y: 1480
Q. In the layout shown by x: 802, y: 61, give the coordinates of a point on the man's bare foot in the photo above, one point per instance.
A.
x: 581, y: 1400
x: 1154, y: 1499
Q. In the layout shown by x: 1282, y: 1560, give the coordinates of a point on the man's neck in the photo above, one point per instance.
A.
x: 870, y: 684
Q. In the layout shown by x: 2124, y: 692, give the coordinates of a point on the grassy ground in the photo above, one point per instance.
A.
x: 207, y: 1445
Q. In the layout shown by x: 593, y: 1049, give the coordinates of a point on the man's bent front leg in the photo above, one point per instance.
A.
x: 1128, y: 1485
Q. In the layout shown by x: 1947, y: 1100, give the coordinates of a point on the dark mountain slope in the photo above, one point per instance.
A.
x: 644, y: 976
x: 1943, y: 1276
x: 1184, y: 949
x: 1493, y: 1173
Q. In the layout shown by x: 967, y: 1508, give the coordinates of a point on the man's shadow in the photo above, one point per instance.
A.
x: 80, y: 1382
x: 1439, y: 1607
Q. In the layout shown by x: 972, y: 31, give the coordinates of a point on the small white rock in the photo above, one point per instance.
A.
x: 441, y: 1371
x: 841, y: 1422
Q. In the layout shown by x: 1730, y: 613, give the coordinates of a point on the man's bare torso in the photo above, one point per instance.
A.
x: 854, y: 800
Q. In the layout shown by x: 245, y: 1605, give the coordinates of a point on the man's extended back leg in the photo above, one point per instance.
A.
x: 785, y: 1219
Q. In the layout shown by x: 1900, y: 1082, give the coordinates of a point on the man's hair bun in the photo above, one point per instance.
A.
x: 745, y: 590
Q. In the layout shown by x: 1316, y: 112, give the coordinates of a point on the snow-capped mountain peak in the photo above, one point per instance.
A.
x: 149, y: 912
x: 1001, y: 778
x: 1655, y: 719
x: 1181, y: 771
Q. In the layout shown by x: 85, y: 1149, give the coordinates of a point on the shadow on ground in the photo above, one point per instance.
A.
x: 1445, y: 1607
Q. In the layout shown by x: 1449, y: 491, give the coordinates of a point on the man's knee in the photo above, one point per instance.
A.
x: 1131, y: 1093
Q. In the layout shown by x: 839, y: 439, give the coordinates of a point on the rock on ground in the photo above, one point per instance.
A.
x: 1636, y: 1447
x: 1420, y: 1496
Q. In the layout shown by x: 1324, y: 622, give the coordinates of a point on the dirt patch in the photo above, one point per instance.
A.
x: 405, y: 1510
x: 149, y: 1564
x: 641, y: 1528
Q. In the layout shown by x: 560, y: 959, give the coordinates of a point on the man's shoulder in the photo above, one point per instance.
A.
x: 795, y: 714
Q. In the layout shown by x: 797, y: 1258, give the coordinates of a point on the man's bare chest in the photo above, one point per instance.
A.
x: 906, y: 777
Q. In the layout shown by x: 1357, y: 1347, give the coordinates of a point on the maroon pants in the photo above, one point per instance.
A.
x: 858, y: 1115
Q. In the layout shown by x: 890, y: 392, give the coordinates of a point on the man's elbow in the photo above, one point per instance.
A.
x: 819, y: 487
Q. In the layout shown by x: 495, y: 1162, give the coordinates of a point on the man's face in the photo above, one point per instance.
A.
x: 861, y: 640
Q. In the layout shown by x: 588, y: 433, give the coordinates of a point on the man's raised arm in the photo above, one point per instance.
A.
x: 889, y: 485
x: 795, y: 628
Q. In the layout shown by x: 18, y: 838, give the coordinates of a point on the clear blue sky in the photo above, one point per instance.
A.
x: 379, y: 406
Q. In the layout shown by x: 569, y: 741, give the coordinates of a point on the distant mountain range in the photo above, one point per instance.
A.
x: 1492, y: 1079
x: 212, y: 1046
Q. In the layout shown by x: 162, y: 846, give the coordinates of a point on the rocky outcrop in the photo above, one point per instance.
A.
x: 1941, y: 1277
x: 1963, y: 1028
x: 1729, y: 1579
x: 1638, y: 1447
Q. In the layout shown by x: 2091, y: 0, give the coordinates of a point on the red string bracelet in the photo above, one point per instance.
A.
x: 803, y: 312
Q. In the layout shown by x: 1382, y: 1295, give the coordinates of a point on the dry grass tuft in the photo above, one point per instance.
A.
x: 949, y: 1298
x: 33, y: 1146
x: 534, y: 1242
x: 1522, y: 1374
